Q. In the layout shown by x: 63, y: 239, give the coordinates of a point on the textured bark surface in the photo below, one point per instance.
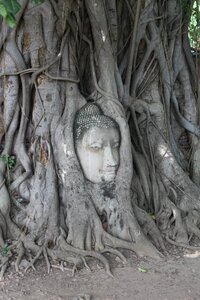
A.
x: 133, y: 59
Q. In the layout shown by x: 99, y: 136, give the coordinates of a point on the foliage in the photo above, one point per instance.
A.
x: 142, y: 270
x: 5, y: 249
x: 10, y: 161
x: 194, y: 26
x: 9, y: 8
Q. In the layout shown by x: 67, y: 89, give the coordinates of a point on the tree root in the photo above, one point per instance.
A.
x: 3, y: 266
x: 149, y: 227
x: 181, y: 244
x: 66, y: 247
x: 63, y: 268
x: 178, y: 229
x: 142, y: 247
x: 66, y: 253
x: 115, y: 252
x: 33, y: 261
x: 170, y: 217
x: 47, y: 260
x: 64, y: 256
x: 20, y: 255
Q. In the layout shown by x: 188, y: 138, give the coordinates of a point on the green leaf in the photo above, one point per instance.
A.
x: 10, y: 21
x: 152, y: 216
x: 5, y: 249
x: 3, y: 11
x: 12, y: 6
x: 142, y: 270
x: 11, y: 162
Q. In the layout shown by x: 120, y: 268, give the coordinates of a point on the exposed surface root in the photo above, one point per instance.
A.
x: 47, y: 260
x: 20, y: 236
x: 33, y: 261
x: 66, y: 247
x: 115, y: 252
x: 21, y: 253
x: 149, y: 227
x: 142, y: 247
x: 4, y: 265
x: 181, y: 244
x: 64, y: 256
x: 177, y: 226
x: 63, y: 268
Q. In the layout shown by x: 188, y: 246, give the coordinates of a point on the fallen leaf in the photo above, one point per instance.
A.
x: 142, y: 270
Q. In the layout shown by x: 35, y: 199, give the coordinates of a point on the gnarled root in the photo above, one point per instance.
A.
x: 72, y: 255
x: 149, y: 227
x: 115, y: 252
x: 181, y: 244
x: 33, y: 261
x: 66, y: 247
x: 21, y: 253
x: 142, y: 247
x: 178, y: 226
x: 4, y: 265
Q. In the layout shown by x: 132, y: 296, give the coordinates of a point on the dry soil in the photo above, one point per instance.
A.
x: 176, y: 277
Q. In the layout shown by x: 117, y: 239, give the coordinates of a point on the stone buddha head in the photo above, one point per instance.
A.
x: 97, y: 142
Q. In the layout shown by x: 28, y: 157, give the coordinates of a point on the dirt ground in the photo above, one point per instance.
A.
x: 176, y: 277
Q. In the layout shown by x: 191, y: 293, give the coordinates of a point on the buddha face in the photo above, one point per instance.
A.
x: 98, y: 153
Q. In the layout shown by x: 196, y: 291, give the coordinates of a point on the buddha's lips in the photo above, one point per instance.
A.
x: 109, y: 172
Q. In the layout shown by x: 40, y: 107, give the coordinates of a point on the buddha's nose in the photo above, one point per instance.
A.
x: 109, y: 158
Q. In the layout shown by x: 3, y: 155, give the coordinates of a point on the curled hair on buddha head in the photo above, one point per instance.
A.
x: 91, y: 115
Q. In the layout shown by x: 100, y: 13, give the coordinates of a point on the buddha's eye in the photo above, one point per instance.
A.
x: 95, y: 147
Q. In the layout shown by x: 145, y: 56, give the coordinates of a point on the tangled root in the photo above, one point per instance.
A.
x: 115, y: 252
x: 21, y: 253
x: 149, y: 227
x: 186, y: 246
x: 85, y: 253
x: 64, y: 252
x: 142, y: 247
